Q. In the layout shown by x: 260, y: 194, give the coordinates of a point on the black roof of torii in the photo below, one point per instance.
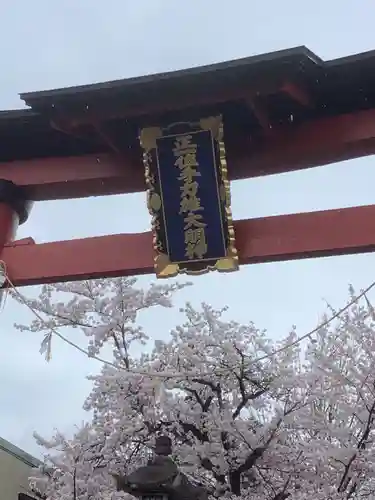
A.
x: 337, y: 86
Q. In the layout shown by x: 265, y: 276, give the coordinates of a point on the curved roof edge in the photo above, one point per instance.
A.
x: 298, y: 56
x: 294, y: 53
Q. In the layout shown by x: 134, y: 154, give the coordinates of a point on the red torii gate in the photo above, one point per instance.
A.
x: 282, y: 111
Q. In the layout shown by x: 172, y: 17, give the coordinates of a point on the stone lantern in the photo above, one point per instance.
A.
x: 160, y: 479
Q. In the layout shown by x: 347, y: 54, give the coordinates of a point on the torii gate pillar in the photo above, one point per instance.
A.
x: 14, y: 210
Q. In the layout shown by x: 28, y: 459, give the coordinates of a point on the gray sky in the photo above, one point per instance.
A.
x: 54, y: 44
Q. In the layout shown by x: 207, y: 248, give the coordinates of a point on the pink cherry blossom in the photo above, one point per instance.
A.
x: 296, y: 425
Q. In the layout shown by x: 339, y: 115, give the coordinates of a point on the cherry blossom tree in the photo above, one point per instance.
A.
x: 248, y: 417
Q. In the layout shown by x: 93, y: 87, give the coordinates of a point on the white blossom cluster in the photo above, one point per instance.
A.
x: 297, y: 425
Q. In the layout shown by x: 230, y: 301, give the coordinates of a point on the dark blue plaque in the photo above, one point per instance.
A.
x: 189, y: 198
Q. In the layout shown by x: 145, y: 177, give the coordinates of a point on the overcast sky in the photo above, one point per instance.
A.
x: 47, y: 44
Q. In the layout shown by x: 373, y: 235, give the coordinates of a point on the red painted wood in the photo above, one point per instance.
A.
x: 315, y: 143
x: 23, y: 241
x: 8, y: 225
x: 270, y: 239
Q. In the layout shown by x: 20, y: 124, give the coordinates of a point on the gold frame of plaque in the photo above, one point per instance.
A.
x: 176, y: 149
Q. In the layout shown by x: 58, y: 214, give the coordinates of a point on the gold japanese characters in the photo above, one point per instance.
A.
x: 190, y: 204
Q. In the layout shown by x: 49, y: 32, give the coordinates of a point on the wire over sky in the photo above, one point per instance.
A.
x: 189, y: 374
